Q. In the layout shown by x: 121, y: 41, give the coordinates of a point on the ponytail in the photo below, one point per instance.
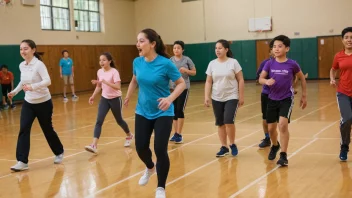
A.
x: 152, y: 36
x: 36, y: 54
x: 161, y: 49
x: 229, y: 53
x: 109, y: 57
x: 112, y: 64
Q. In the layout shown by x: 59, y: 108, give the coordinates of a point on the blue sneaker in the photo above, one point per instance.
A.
x: 178, y: 139
x: 223, y: 151
x: 344, y: 152
x: 172, y: 139
x: 234, y: 150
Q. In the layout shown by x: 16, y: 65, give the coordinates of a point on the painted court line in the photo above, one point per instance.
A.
x: 203, y: 166
x: 5, y: 176
x: 244, y: 149
x: 138, y: 173
x: 8, y: 160
x: 183, y: 145
x: 332, y: 154
x: 277, y: 167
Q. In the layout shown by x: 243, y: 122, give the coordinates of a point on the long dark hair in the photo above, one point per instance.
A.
x: 32, y: 45
x: 109, y: 57
x: 226, y: 45
x: 159, y: 47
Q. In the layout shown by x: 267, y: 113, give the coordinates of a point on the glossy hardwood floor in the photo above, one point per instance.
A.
x: 314, y: 168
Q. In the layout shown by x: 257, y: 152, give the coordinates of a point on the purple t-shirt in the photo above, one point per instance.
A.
x: 283, y: 74
x: 265, y: 89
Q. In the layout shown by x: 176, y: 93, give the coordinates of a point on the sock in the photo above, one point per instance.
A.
x: 267, y: 135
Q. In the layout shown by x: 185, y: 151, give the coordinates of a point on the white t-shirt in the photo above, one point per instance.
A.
x: 225, y: 85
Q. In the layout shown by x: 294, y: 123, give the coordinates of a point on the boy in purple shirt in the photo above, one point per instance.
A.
x: 264, y: 101
x: 281, y: 71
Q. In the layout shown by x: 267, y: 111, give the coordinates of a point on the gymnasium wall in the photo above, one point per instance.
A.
x: 118, y: 36
x: 228, y: 19
x: 200, y: 25
x: 117, y: 18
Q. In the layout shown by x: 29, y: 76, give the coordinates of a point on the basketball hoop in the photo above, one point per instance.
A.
x: 5, y: 2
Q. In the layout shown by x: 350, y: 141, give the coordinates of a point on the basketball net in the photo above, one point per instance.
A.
x: 5, y: 2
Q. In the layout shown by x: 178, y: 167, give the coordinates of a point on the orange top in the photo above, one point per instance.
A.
x: 6, y: 78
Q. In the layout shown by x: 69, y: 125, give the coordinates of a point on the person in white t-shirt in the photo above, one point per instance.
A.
x: 226, y: 84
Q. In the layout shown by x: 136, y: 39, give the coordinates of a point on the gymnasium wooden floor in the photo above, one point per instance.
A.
x: 314, y: 168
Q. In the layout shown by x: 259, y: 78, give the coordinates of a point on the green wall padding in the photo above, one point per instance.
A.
x: 10, y: 55
x: 249, y: 59
x: 201, y: 54
x: 305, y: 52
x: 310, y: 57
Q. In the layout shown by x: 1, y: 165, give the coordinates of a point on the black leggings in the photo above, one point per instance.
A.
x: 162, y: 127
x: 42, y: 111
x: 115, y: 104
x: 180, y: 104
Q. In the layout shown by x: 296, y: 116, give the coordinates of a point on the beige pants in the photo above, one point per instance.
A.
x: 68, y: 77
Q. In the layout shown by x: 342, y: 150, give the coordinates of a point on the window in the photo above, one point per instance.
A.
x: 55, y: 14
x: 87, y: 16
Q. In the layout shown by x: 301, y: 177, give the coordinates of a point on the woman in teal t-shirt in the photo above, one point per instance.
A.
x: 152, y: 71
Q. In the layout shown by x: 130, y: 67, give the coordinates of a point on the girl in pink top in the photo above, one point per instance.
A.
x: 109, y: 81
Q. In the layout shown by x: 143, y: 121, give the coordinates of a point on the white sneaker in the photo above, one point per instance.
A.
x: 145, y: 178
x: 65, y: 99
x: 128, y: 140
x: 91, y: 148
x: 20, y: 166
x: 59, y: 158
x: 160, y: 193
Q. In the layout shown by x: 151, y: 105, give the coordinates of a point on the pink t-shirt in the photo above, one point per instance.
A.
x: 111, y: 76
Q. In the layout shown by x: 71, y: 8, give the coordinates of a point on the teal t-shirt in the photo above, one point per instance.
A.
x: 66, y: 65
x: 153, y: 81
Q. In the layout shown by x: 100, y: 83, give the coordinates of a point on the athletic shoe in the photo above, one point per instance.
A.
x: 234, y: 150
x: 178, y: 139
x: 265, y: 142
x: 223, y: 151
x: 343, y: 152
x: 160, y: 192
x: 145, y: 177
x: 59, y: 158
x: 172, y: 139
x: 91, y: 148
x: 20, y: 166
x: 5, y: 107
x: 273, y: 151
x: 283, y: 159
x: 128, y: 140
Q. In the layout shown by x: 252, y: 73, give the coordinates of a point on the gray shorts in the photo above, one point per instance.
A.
x: 225, y: 112
x: 345, y: 106
x: 68, y: 78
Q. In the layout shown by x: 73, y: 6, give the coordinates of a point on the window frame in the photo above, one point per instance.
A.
x: 88, y: 11
x: 52, y: 16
